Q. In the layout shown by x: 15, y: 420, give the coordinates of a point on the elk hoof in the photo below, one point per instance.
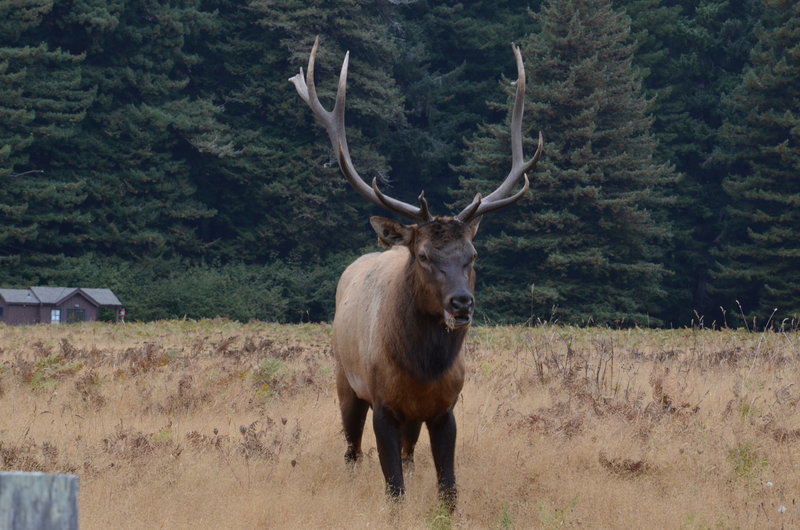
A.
x: 351, y: 457
x: 448, y: 498
x: 395, y: 493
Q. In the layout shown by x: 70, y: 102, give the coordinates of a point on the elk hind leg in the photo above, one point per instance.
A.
x: 409, y: 435
x: 354, y: 414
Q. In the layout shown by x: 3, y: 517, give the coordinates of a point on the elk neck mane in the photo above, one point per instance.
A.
x: 418, y: 341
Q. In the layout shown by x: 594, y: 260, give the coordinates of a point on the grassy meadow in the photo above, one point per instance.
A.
x: 216, y: 424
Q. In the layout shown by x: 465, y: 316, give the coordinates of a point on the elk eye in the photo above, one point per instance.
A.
x: 423, y: 258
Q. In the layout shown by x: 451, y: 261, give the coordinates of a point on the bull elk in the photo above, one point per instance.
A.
x: 402, y: 314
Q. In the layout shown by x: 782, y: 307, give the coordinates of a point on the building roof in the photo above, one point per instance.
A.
x: 102, y: 296
x: 18, y: 296
x: 54, y: 295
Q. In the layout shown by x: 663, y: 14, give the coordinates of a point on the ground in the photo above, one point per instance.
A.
x: 216, y: 424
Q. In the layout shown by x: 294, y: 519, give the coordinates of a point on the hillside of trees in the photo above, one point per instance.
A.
x: 157, y: 148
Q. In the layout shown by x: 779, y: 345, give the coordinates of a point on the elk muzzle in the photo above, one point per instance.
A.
x: 458, y: 309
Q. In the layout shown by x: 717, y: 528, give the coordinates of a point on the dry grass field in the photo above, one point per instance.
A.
x: 216, y: 424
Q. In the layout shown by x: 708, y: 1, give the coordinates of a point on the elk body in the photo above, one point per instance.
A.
x: 402, y: 314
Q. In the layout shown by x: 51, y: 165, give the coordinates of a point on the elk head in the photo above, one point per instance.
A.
x: 440, y: 246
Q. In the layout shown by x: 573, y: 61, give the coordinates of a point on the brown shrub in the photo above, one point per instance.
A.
x: 128, y: 444
x: 186, y: 397
x: 624, y: 467
x: 88, y: 387
x: 145, y: 358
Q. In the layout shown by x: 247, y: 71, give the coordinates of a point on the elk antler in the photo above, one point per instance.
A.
x: 333, y: 121
x: 499, y: 198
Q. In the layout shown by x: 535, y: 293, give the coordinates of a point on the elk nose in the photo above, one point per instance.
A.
x: 462, y: 303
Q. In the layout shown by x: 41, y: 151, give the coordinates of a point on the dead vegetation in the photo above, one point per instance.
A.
x: 217, y: 424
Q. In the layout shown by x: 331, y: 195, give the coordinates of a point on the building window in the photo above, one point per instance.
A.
x: 76, y: 315
x: 55, y: 316
x: 1, y: 312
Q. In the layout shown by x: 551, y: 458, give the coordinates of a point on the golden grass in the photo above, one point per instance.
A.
x: 215, y: 424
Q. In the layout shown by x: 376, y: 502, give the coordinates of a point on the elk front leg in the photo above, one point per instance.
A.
x: 443, y: 446
x: 387, y: 436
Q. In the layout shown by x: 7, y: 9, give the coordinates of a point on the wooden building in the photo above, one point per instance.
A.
x: 54, y: 305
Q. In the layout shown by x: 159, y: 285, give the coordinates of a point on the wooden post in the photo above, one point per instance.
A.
x: 39, y: 501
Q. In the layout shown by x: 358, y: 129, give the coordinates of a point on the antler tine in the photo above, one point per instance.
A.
x: 469, y: 212
x: 499, y: 198
x: 486, y: 207
x: 423, y: 207
x: 376, y: 197
x: 334, y: 126
x: 424, y: 214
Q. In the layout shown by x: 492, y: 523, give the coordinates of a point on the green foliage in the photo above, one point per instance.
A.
x: 453, y: 54
x: 440, y: 519
x: 759, y: 259
x: 591, y: 237
x: 43, y: 98
x: 305, y: 199
x: 155, y: 289
x: 557, y: 517
x: 157, y: 148
x: 505, y: 522
x: 748, y: 409
x: 47, y: 371
x: 692, y: 53
x: 746, y: 459
x: 148, y: 132
x: 164, y: 436
x: 265, y: 377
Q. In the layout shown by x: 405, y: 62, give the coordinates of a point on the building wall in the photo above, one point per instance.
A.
x: 15, y: 315
x: 21, y: 314
x: 76, y: 301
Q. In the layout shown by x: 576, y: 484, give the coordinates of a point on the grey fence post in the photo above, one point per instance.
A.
x: 38, y: 501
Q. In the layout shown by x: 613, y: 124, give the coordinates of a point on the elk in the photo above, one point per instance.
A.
x: 402, y: 314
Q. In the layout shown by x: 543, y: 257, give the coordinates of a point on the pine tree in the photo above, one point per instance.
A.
x: 691, y: 51
x: 760, y: 258
x: 43, y: 98
x: 241, y: 72
x: 453, y: 54
x: 590, y: 238
x: 41, y: 94
x: 145, y: 130
x: 304, y: 199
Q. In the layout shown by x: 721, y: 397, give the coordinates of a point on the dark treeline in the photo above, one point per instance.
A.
x: 157, y: 148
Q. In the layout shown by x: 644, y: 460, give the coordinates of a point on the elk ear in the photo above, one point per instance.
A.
x: 474, y: 224
x: 390, y: 232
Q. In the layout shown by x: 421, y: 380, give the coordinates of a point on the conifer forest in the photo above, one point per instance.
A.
x: 157, y: 148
